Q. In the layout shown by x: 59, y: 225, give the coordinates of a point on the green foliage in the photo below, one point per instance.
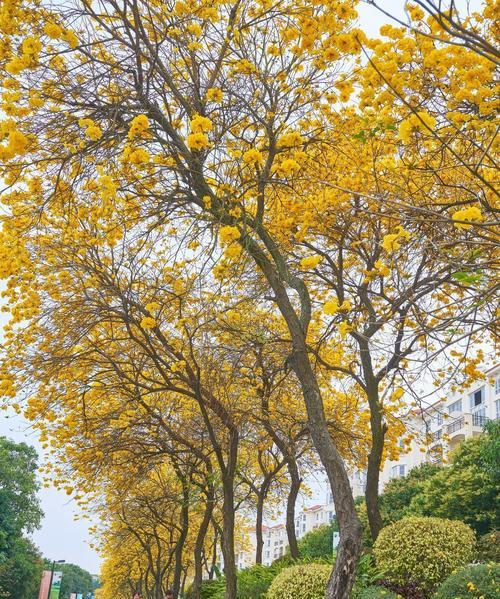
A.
x: 375, y: 592
x: 490, y: 450
x: 399, y: 492
x: 19, y: 506
x: 423, y: 551
x: 20, y: 570
x: 488, y: 547
x: 319, y: 542
x: 474, y: 582
x: 20, y: 564
x: 466, y: 490
x: 303, y: 581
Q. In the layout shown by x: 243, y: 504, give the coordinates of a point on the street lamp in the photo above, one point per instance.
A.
x: 59, y: 561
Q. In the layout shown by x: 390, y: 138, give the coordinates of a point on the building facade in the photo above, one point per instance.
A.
x: 440, y: 428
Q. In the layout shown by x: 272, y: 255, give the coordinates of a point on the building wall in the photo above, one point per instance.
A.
x: 444, y: 425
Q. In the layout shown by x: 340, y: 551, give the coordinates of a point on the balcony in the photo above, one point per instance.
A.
x: 478, y: 420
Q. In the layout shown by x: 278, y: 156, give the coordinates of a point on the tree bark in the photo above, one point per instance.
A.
x: 179, y: 548
x: 290, y: 508
x: 259, y: 539
x: 228, y: 538
x: 199, y: 544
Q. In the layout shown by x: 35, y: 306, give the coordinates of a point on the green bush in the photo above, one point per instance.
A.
x: 474, y: 582
x: 423, y: 551
x: 488, y: 547
x: 307, y: 582
x: 375, y: 592
x: 318, y: 543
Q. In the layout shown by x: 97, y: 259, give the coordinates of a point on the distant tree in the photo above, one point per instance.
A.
x: 20, y: 563
x: 318, y: 542
x: 20, y: 570
x: 75, y: 580
x: 466, y: 490
x: 398, y: 494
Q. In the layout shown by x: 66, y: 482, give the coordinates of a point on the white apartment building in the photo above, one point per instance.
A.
x: 440, y: 428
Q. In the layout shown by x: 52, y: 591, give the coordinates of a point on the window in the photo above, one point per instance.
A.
x: 439, y: 419
x: 497, y: 385
x: 398, y: 470
x: 303, y: 528
x: 497, y: 408
x: 476, y: 398
x: 330, y: 514
x: 456, y: 406
x: 267, y: 554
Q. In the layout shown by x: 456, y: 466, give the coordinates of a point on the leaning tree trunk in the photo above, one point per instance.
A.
x: 199, y: 544
x: 378, y: 429
x: 290, y: 507
x: 179, y: 547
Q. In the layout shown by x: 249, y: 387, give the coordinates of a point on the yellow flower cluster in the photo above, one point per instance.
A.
x: 310, y: 262
x: 138, y: 127
x: 17, y: 142
x: 392, y: 241
x: 252, y: 156
x: 289, y: 140
x: 214, y: 94
x: 287, y: 167
x: 331, y: 307
x: 421, y: 121
x: 148, y: 322
x: 92, y: 131
x: 200, y: 126
x: 471, y: 214
x: 228, y: 234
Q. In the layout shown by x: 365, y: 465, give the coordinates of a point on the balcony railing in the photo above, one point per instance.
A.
x: 436, y: 436
x: 456, y: 426
x: 478, y: 420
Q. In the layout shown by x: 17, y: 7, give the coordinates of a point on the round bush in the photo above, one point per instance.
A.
x: 473, y: 582
x: 488, y: 547
x: 307, y: 582
x: 376, y: 592
x: 423, y: 551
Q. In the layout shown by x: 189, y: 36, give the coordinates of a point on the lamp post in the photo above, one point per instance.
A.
x: 54, y: 562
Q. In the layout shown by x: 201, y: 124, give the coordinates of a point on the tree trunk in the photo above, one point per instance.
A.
x: 373, y: 471
x: 259, y: 539
x: 184, y: 526
x: 290, y: 507
x: 228, y: 538
x: 349, y: 549
x: 199, y: 544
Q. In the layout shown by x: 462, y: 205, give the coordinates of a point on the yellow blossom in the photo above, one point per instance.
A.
x: 252, y: 156
x: 197, y: 141
x: 471, y: 213
x: 310, y: 262
x: 148, y: 322
x: 228, y: 234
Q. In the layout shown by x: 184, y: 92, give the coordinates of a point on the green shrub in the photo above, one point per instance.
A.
x: 488, y: 547
x: 474, y: 582
x: 318, y: 543
x: 375, y: 592
x: 423, y: 551
x: 307, y: 582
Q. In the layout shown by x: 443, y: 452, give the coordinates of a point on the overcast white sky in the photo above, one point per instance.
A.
x: 60, y: 537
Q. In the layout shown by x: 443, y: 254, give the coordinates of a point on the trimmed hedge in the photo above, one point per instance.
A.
x: 423, y: 551
x: 306, y: 581
x: 474, y: 582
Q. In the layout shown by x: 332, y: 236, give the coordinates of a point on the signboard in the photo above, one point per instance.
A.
x: 336, y: 539
x: 55, y: 587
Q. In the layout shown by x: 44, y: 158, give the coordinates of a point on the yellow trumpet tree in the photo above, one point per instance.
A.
x: 152, y: 128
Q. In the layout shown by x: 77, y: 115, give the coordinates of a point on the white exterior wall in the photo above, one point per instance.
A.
x: 461, y: 416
